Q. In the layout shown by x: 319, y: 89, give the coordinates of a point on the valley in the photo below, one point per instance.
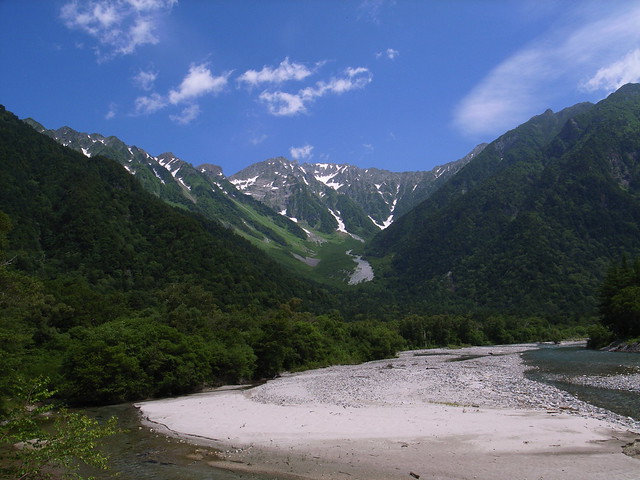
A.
x: 378, y: 240
x: 149, y: 278
x: 291, y: 211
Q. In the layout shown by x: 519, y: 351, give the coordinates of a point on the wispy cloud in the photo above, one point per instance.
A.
x: 199, y: 81
x: 119, y: 26
x: 111, y: 113
x: 596, y: 48
x: 258, y: 138
x: 283, y: 104
x: 287, y: 104
x: 389, y: 53
x: 145, y: 80
x: 187, y: 115
x: 282, y: 73
x: 613, y: 76
x: 148, y: 104
x: 301, y: 153
x: 373, y: 10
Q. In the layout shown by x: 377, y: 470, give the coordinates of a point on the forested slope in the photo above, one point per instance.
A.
x: 532, y: 223
x: 117, y: 296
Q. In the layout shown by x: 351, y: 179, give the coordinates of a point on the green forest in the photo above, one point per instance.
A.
x: 531, y: 224
x: 108, y: 294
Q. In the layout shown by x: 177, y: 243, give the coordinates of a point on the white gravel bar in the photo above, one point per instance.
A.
x: 438, y: 414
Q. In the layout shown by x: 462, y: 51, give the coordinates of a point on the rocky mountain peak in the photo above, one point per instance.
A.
x: 211, y: 170
x: 363, y: 200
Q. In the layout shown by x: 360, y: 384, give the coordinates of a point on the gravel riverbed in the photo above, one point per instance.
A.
x: 488, y: 377
x: 469, y: 413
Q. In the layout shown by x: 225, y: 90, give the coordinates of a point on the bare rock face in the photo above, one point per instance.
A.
x: 363, y: 200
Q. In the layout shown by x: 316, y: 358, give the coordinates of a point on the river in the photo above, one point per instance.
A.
x: 600, y: 378
x: 142, y: 454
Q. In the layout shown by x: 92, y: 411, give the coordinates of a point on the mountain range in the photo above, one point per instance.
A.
x: 296, y: 213
x: 90, y: 222
x: 125, y: 275
x: 329, y: 197
x: 527, y: 223
x: 532, y: 223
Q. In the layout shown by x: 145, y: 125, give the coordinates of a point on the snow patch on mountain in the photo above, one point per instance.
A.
x: 158, y: 176
x: 183, y: 184
x: 341, y: 226
x: 244, y: 184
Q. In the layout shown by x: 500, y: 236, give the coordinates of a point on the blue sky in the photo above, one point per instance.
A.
x: 400, y: 85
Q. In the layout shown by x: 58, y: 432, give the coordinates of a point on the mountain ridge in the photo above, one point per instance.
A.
x: 533, y: 222
x: 74, y: 215
x: 317, y: 209
x: 375, y: 196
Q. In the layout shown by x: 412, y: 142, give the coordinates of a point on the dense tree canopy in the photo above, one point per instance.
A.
x: 530, y: 224
x: 116, y: 295
x: 620, y: 299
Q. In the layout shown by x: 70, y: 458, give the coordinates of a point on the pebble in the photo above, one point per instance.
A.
x: 488, y: 377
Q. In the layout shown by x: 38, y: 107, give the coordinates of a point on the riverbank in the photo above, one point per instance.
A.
x: 445, y: 414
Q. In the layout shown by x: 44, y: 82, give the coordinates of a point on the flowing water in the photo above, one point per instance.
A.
x: 140, y: 453
x: 596, y: 377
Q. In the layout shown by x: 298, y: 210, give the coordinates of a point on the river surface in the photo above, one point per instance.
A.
x: 363, y: 271
x: 585, y: 374
x: 140, y: 453
x: 143, y: 454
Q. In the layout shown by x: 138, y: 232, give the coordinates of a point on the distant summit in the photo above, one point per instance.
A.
x: 330, y: 196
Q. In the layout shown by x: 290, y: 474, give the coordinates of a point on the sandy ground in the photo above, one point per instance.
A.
x: 417, y: 416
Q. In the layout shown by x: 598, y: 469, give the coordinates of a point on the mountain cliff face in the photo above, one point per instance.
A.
x: 289, y: 210
x: 532, y: 223
x: 202, y: 189
x: 344, y: 197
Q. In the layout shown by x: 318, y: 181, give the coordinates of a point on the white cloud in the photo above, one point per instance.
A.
x: 140, y: 33
x: 149, y: 104
x: 354, y: 78
x: 257, y: 139
x: 145, y: 80
x: 301, y: 153
x: 187, y: 115
x: 389, y: 53
x: 284, y: 72
x: 554, y: 65
x: 149, y: 5
x: 373, y: 10
x: 112, y: 111
x: 119, y: 26
x: 283, y: 104
x: 199, y: 81
x: 617, y: 74
x: 289, y: 104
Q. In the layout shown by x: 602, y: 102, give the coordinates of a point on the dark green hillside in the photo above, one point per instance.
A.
x: 117, y: 296
x: 88, y: 217
x: 203, y: 190
x: 531, y: 224
x: 489, y: 187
